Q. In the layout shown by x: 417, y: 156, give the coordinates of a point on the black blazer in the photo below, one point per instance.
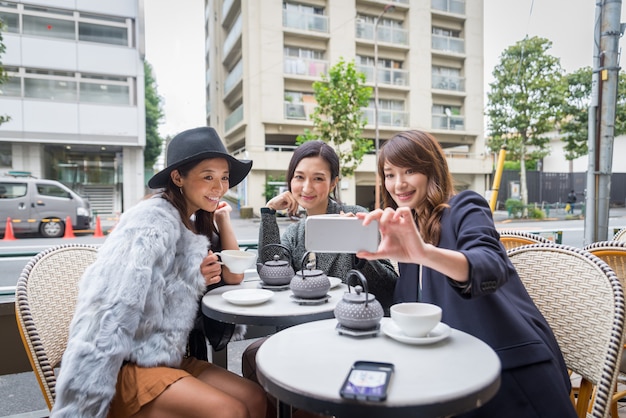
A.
x: 496, y: 307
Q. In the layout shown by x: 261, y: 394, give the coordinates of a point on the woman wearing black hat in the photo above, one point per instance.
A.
x: 126, y: 354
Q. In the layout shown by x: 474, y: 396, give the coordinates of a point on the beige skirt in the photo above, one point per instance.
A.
x: 138, y: 386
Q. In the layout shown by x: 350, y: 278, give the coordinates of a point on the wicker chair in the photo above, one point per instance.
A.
x: 583, y: 301
x: 621, y: 235
x: 45, y: 297
x: 511, y: 238
x: 613, y: 253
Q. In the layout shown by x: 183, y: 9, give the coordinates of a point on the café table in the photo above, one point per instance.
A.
x: 279, y: 312
x: 304, y: 366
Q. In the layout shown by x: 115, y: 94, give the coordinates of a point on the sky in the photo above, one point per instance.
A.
x: 175, y: 45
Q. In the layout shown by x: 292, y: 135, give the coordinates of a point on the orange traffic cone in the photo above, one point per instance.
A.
x: 8, y: 231
x: 98, y: 232
x: 69, y: 231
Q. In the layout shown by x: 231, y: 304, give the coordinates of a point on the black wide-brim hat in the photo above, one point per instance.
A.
x: 199, y: 144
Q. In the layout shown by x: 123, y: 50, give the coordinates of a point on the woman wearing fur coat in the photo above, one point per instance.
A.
x: 127, y: 352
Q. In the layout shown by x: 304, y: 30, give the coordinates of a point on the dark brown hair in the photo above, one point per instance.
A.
x: 309, y: 149
x: 421, y: 152
x: 203, y: 223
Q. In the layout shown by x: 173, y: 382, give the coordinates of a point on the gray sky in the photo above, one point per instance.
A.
x: 175, y: 45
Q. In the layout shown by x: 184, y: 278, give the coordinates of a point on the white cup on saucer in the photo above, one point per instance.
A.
x: 415, y: 319
x: 237, y: 261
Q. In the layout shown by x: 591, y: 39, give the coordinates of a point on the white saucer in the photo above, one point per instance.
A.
x: 334, y: 281
x: 247, y: 296
x: 440, y: 332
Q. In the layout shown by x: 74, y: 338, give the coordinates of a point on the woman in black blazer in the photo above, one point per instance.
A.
x: 452, y: 240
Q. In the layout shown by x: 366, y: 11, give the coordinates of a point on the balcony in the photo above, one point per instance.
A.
x: 447, y: 82
x: 233, y: 78
x: 305, y: 67
x: 449, y: 6
x: 299, y: 111
x: 389, y: 76
x: 448, y: 44
x: 232, y: 39
x: 386, y: 117
x: 305, y: 21
x: 448, y: 123
x: 386, y: 34
x: 234, y: 118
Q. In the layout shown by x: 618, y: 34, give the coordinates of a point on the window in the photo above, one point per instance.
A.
x: 104, y: 90
x: 6, y: 158
x: 51, y: 190
x: 49, y: 27
x: 103, y: 34
x: 51, y: 86
x: 12, y: 190
x: 9, y: 17
x: 12, y: 85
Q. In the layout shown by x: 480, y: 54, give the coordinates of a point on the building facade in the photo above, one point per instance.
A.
x: 263, y: 56
x: 75, y: 96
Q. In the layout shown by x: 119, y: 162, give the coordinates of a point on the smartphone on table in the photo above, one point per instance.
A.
x: 368, y: 381
x: 334, y: 233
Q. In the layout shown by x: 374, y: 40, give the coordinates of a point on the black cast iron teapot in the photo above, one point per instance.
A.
x: 359, y: 310
x: 277, y: 271
x: 309, y: 283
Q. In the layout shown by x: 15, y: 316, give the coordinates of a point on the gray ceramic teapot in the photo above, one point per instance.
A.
x: 309, y: 283
x: 277, y: 271
x: 359, y: 310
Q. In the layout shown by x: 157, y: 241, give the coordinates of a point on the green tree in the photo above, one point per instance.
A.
x: 525, y: 102
x: 154, y: 114
x: 3, y: 74
x: 575, y: 123
x: 338, y: 116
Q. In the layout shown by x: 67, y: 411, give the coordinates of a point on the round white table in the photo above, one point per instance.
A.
x: 304, y: 366
x: 280, y: 311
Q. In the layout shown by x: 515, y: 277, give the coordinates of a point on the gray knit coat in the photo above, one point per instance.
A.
x: 137, y: 302
x: 381, y: 275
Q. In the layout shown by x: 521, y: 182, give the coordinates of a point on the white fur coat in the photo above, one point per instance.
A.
x: 137, y: 302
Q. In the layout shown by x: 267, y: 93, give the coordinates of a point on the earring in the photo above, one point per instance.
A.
x: 181, y: 190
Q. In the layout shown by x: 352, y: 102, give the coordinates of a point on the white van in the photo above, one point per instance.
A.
x: 41, y: 206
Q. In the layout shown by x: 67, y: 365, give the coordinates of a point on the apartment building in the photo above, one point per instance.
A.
x: 263, y: 56
x: 75, y: 95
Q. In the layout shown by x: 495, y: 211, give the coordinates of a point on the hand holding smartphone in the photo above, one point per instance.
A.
x: 367, y: 380
x: 334, y: 233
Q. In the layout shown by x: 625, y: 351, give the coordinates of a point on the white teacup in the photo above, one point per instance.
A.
x: 237, y: 261
x: 416, y: 319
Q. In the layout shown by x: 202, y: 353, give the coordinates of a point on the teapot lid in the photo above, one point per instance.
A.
x: 358, y: 296
x: 309, y: 271
x: 276, y: 262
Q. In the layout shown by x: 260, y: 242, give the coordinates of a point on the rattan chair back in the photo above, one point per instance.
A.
x: 511, y: 238
x: 620, y: 235
x: 614, y: 254
x: 583, y: 301
x: 45, y: 298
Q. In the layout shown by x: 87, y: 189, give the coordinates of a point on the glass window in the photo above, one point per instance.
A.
x: 11, y: 21
x: 51, y: 190
x: 12, y: 190
x: 12, y: 85
x: 61, y: 90
x: 104, y: 93
x: 6, y: 158
x: 45, y: 26
x: 103, y: 34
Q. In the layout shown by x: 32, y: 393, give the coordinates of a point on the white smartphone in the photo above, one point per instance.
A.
x: 339, y: 234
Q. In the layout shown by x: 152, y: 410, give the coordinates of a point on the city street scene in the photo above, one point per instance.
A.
x: 336, y: 203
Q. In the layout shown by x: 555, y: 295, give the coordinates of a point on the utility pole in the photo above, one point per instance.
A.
x: 607, y: 31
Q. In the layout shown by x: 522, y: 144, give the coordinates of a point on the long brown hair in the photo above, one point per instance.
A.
x: 421, y: 152
x: 203, y: 223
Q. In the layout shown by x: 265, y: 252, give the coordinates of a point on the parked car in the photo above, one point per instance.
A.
x: 41, y: 206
